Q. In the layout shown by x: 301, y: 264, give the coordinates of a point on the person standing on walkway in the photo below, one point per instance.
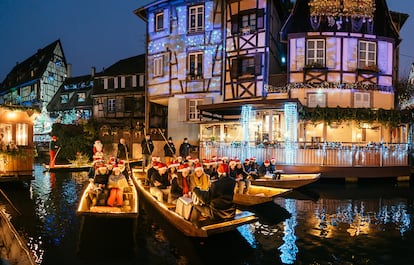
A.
x: 53, y: 150
x: 185, y: 148
x: 169, y: 150
x: 122, y: 152
x: 147, y: 149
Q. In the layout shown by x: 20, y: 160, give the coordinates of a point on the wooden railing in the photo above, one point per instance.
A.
x: 344, y: 155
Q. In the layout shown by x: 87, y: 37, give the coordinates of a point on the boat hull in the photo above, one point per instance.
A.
x: 85, y: 207
x: 185, y: 226
x: 288, y: 181
x: 258, y: 195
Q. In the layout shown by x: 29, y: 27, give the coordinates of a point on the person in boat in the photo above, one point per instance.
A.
x: 152, y: 169
x: 217, y: 202
x: 116, y: 185
x: 241, y: 176
x: 250, y: 168
x: 210, y: 167
x: 169, y: 150
x: 180, y: 183
x: 266, y: 169
x: 53, y: 149
x: 147, y: 147
x: 199, y: 178
x: 100, y: 181
x: 159, y: 183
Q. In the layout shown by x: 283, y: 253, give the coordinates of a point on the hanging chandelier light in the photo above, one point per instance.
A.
x: 343, y: 8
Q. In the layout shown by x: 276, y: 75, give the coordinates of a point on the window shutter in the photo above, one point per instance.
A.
x: 258, y: 64
x: 260, y: 18
x: 234, y: 24
x: 234, y: 68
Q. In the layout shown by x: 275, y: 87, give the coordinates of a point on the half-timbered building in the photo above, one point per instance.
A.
x: 35, y: 81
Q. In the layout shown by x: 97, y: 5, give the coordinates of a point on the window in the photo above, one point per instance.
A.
x: 111, y: 105
x: 22, y: 134
x: 367, y: 54
x: 247, y: 66
x: 141, y: 80
x: 82, y: 97
x: 362, y: 100
x: 128, y: 81
x: 315, y: 52
x: 64, y: 98
x: 158, y: 66
x: 193, y: 111
x: 247, y: 21
x: 316, y: 99
x: 159, y: 21
x: 111, y: 83
x: 195, y: 65
x: 196, y: 19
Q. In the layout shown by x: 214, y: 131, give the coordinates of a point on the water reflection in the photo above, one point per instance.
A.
x: 341, y: 224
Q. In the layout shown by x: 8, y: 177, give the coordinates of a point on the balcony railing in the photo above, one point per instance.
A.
x: 311, y: 154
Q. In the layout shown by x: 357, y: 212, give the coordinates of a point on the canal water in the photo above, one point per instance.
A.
x: 328, y: 222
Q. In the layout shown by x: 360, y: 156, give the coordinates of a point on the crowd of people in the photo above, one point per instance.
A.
x: 210, y: 184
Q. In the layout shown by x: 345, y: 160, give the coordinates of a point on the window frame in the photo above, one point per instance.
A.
x: 362, y: 103
x: 158, y: 66
x: 317, y: 99
x: 195, y: 74
x: 111, y: 105
x: 316, y: 59
x: 198, y: 17
x: 367, y: 62
x: 193, y: 113
x: 157, y: 25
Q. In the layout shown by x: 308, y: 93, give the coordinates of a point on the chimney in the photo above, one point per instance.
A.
x: 69, y: 70
x: 93, y: 71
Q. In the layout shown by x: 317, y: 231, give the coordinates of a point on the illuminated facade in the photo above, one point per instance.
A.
x: 35, y: 81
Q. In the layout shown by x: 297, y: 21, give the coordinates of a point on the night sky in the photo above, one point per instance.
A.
x: 98, y: 33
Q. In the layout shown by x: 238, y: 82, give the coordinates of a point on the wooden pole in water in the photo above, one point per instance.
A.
x: 9, y: 201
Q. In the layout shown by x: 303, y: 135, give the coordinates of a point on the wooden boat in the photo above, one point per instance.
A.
x: 68, y: 167
x: 86, y: 208
x: 13, y: 248
x: 205, y: 229
x: 287, y: 181
x: 258, y: 195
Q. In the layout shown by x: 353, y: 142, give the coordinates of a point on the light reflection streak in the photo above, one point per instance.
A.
x: 289, y: 248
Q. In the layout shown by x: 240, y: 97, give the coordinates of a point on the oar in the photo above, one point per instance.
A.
x: 54, y: 158
x: 9, y: 201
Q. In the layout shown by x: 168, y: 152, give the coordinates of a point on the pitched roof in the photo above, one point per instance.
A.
x: 30, y: 69
x: 131, y: 65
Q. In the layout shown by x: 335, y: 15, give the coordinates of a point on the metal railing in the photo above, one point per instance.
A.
x: 306, y: 153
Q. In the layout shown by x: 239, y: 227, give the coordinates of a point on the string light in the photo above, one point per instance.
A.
x: 343, y: 8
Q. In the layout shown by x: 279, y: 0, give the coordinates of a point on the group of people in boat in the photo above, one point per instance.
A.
x: 210, y: 184
x: 109, y: 178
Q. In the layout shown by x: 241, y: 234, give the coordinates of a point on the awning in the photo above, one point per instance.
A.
x: 225, y: 111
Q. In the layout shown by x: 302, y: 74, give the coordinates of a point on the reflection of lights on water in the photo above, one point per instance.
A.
x: 360, y: 222
x: 248, y: 234
x: 35, y: 246
x: 289, y: 248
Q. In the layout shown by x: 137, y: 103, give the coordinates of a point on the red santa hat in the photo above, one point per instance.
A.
x: 121, y: 165
x: 183, y: 167
x: 223, y: 168
x: 232, y: 163
x: 246, y: 161
x: 273, y: 159
x: 162, y: 166
x: 198, y: 166
x: 267, y: 161
x: 155, y: 164
x: 54, y: 137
